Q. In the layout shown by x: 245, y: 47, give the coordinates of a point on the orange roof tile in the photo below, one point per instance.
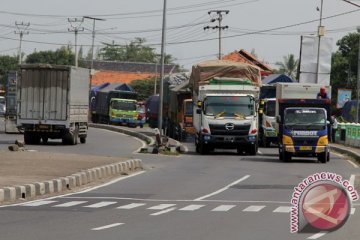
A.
x: 101, y: 77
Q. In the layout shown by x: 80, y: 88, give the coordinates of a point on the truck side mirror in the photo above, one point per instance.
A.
x: 198, y: 110
x: 278, y: 119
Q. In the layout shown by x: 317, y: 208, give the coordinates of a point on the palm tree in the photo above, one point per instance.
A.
x: 289, y: 65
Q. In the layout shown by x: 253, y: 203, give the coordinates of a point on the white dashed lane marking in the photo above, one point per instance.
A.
x: 191, y: 207
x: 131, y: 206
x: 100, y: 204
x: 282, y: 209
x: 223, y: 208
x: 37, y: 203
x: 70, y: 204
x: 162, y: 212
x: 253, y: 208
x: 161, y: 206
x: 107, y: 226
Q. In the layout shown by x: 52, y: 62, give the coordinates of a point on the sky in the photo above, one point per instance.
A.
x: 270, y: 28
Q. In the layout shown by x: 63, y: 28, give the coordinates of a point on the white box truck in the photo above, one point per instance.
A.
x: 53, y: 103
x: 226, y: 94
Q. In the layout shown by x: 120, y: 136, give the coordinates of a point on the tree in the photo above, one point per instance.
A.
x: 145, y: 88
x: 135, y: 51
x: 7, y: 63
x: 288, y: 66
x: 61, y: 56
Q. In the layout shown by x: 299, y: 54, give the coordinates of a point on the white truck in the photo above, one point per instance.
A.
x: 226, y: 94
x: 53, y: 103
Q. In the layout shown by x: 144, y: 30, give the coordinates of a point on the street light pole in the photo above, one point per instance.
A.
x: 358, y: 81
x: 320, y: 34
x: 93, y: 37
x: 161, y: 87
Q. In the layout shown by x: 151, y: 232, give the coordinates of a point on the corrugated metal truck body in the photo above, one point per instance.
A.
x: 53, y: 103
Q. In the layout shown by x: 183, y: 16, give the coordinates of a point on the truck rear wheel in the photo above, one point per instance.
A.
x: 253, y: 149
x: 31, y: 138
x: 82, y: 139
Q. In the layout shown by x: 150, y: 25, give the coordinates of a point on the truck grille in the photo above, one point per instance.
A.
x: 301, y: 141
x: 239, y: 130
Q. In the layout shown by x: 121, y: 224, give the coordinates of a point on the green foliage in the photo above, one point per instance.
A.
x: 288, y: 66
x: 7, y: 63
x: 145, y: 88
x: 135, y: 51
x: 344, y: 65
x: 61, y: 56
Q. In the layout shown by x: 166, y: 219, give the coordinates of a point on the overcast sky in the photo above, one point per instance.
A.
x: 278, y: 23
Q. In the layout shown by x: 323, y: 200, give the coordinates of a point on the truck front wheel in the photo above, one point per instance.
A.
x: 322, y: 157
x: 253, y: 149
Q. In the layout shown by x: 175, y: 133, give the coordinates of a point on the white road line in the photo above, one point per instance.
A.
x: 107, y: 226
x: 352, y: 212
x: 70, y: 204
x: 223, y: 208
x: 352, y: 180
x: 283, y: 209
x: 131, y: 205
x: 353, y: 164
x: 83, y: 191
x: 162, y: 212
x: 222, y: 189
x: 192, y: 207
x: 253, y: 208
x: 161, y: 206
x: 317, y: 235
x: 37, y: 203
x: 179, y: 200
x: 100, y: 204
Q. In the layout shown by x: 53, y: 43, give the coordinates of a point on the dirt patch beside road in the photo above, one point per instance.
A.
x: 18, y: 168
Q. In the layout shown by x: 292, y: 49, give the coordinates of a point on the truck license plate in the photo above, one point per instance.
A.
x: 305, y: 148
x: 43, y: 126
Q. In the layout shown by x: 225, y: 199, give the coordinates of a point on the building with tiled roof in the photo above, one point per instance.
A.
x: 125, y: 72
x: 245, y: 57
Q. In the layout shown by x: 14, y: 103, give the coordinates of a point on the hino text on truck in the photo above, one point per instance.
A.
x: 226, y: 94
x: 53, y: 102
x: 302, y: 121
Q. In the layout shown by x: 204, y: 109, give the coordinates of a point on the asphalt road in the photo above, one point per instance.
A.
x: 218, y: 196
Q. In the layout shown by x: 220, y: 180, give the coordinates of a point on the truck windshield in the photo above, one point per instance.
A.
x: 229, y: 106
x: 303, y: 119
x: 127, y: 106
x: 270, y: 108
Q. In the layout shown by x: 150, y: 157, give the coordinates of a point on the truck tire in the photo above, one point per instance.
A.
x: 240, y: 150
x: 328, y: 157
x: 253, y: 149
x: 266, y: 142
x: 322, y: 157
x: 287, y: 156
x: 82, y: 139
x: 71, y: 138
x: 203, y: 149
x: 281, y: 155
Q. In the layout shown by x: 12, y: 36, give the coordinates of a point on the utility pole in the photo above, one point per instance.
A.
x: 321, y: 32
x: 358, y: 82
x: 93, y: 37
x: 162, y: 60
x: 76, y: 29
x: 22, y: 29
x: 219, y: 18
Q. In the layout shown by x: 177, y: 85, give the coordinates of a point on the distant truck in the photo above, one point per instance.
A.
x: 303, y: 121
x: 53, y: 103
x: 267, y: 121
x: 178, y: 110
x: 112, y: 106
x: 226, y: 95
x: 152, y: 110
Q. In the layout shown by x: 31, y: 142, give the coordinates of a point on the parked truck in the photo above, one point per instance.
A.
x: 303, y: 121
x: 116, y: 104
x: 267, y: 133
x: 53, y: 103
x: 226, y: 95
x: 178, y: 109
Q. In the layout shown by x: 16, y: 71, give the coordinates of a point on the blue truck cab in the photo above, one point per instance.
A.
x: 304, y: 128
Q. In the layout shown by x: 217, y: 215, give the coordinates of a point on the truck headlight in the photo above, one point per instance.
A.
x: 323, y: 141
x: 206, y: 138
x: 286, y: 140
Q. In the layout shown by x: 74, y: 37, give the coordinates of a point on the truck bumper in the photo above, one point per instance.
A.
x: 305, y: 150
x: 226, y: 141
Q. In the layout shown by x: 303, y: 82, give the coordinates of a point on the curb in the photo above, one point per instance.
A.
x: 62, y: 184
x: 147, y: 139
x: 352, y: 154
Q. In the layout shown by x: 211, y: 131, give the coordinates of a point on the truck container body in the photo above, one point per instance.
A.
x: 53, y: 102
x: 303, y: 124
x: 226, y: 94
x: 178, y: 110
